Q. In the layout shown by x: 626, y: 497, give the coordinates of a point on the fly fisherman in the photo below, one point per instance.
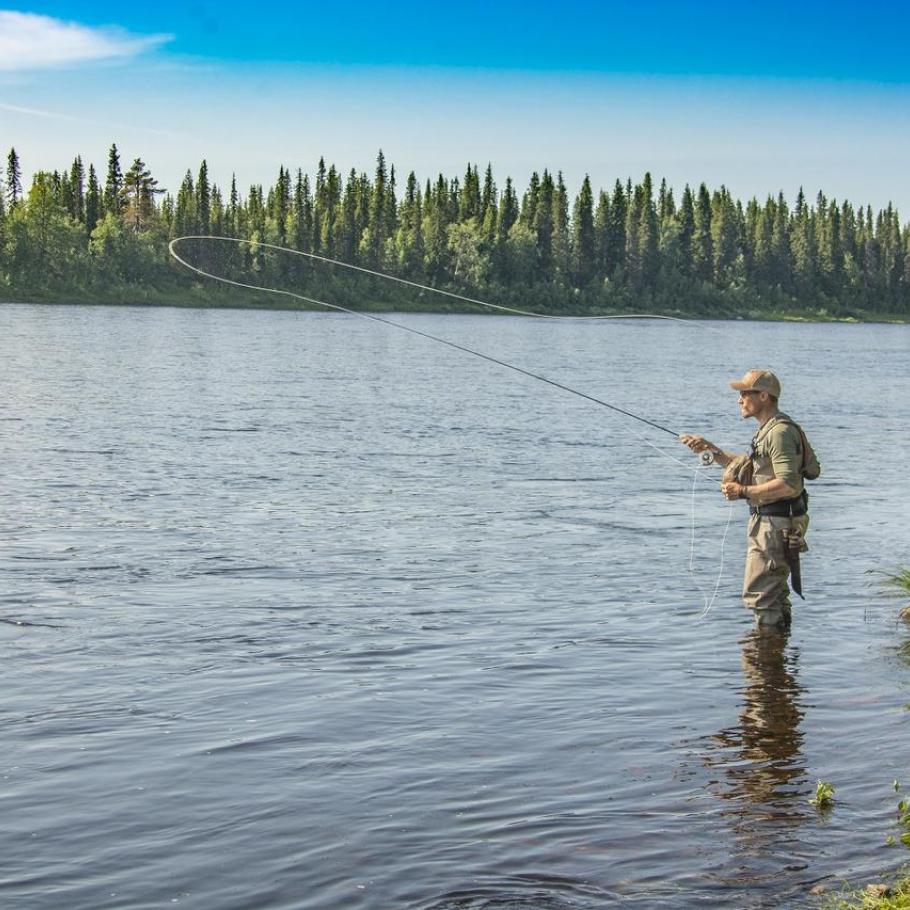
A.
x: 771, y: 478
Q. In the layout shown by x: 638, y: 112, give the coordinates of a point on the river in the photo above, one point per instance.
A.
x: 302, y: 611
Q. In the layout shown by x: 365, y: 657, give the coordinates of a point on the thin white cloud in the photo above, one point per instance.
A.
x: 29, y: 42
x: 56, y: 115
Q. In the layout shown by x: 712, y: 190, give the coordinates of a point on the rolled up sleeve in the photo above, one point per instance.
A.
x: 786, y: 458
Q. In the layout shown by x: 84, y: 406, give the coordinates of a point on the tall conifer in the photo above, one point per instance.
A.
x: 13, y: 179
x: 93, y: 202
x: 584, y: 255
x: 113, y: 184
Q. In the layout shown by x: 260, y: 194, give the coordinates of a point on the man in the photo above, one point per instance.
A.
x: 770, y: 477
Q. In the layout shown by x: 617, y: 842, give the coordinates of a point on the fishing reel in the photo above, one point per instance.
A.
x: 707, y: 457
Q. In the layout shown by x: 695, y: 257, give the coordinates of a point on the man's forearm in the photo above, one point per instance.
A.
x: 770, y: 491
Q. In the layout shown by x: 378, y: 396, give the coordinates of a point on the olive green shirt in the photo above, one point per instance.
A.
x: 778, y: 453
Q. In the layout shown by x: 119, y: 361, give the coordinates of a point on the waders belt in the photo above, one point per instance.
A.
x: 784, y: 508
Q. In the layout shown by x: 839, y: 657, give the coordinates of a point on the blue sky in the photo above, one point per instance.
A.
x: 763, y: 97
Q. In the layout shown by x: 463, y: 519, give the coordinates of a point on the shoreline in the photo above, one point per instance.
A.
x: 231, y: 301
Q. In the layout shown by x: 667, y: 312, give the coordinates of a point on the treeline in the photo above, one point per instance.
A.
x: 78, y: 235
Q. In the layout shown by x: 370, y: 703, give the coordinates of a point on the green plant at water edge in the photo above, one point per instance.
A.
x: 901, y: 581
x: 903, y: 821
x: 824, y: 795
x: 874, y: 897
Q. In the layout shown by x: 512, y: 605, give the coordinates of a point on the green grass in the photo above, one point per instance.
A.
x: 824, y: 795
x: 901, y: 580
x: 895, y: 896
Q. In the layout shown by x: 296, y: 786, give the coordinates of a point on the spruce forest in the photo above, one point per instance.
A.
x: 76, y: 236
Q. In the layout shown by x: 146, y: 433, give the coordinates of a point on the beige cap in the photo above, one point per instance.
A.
x: 758, y: 381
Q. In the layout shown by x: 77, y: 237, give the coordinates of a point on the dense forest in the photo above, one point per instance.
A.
x: 76, y: 236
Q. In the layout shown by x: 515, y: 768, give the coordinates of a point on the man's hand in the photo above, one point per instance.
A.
x: 697, y: 443
x: 733, y: 490
x: 700, y: 444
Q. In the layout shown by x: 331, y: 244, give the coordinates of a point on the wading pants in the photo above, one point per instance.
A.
x: 765, y: 584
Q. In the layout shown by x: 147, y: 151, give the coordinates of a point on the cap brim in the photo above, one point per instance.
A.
x: 740, y: 386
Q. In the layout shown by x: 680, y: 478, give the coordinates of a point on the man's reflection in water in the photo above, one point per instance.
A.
x: 764, y: 769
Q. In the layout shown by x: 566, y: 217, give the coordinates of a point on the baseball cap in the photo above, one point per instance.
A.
x: 758, y: 381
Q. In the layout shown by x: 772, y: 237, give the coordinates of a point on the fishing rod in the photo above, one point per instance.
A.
x: 706, y: 458
x: 401, y: 326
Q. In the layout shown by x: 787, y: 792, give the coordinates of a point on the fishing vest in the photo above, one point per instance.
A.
x: 756, y: 467
x: 760, y: 456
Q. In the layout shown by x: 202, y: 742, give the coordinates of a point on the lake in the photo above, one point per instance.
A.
x: 302, y: 611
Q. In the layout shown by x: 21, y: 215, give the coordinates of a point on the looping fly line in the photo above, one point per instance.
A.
x: 451, y: 344
x: 406, y: 328
x: 403, y: 281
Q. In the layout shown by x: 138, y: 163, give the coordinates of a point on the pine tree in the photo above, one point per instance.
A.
x: 584, y: 255
x: 702, y: 249
x: 780, y: 244
x: 686, y: 232
x: 508, y: 210
x: 469, y: 195
x: 616, y: 233
x: 302, y: 214
x: 232, y: 213
x: 435, y: 231
x: 64, y: 191
x: 331, y: 223
x: 561, y: 232
x: 803, y: 248
x: 763, y: 256
x: 488, y: 198
x: 203, y: 200
x: 319, y: 206
x: 185, y: 222
x: 667, y: 222
x: 648, y: 235
x: 506, y: 218
x: 543, y: 227
x: 391, y: 211
x: 601, y: 233
x: 632, y: 260
x: 113, y: 184
x: 529, y: 202
x: 218, y: 212
x: 77, y: 188
x: 93, y: 201
x: 13, y: 179
x: 378, y: 221
x: 410, y: 231
x: 138, y: 196
x: 724, y: 235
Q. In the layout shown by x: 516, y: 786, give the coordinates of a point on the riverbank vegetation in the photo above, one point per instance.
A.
x: 895, y: 896
x: 82, y: 235
x: 901, y: 581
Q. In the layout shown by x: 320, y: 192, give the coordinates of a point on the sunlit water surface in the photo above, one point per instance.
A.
x: 301, y: 611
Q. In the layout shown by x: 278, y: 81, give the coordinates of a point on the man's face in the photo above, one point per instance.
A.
x: 750, y: 403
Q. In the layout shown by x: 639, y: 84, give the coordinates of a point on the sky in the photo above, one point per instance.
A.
x: 763, y: 97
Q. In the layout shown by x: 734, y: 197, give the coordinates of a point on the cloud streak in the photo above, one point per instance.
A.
x: 30, y: 42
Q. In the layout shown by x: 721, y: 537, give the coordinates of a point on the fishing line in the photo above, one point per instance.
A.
x: 458, y: 347
x: 412, y: 330
x: 709, y: 602
x: 404, y: 281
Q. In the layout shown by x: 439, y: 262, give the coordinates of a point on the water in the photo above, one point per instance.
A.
x: 304, y: 612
